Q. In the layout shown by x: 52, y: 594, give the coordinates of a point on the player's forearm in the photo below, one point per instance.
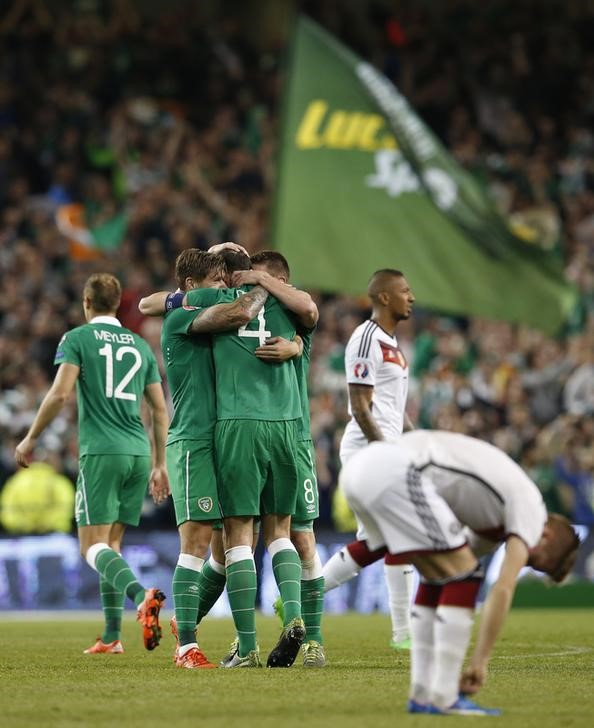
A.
x: 160, y: 427
x: 493, y: 618
x: 366, y: 422
x: 153, y: 305
x: 299, y: 302
x: 49, y: 409
x: 228, y: 316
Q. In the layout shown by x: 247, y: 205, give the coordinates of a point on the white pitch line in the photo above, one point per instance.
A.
x: 568, y: 651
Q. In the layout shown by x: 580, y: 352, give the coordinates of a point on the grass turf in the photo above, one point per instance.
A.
x: 541, y: 675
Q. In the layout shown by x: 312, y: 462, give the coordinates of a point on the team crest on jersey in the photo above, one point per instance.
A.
x: 190, y: 308
x: 361, y: 370
x: 393, y: 355
x: 205, y: 504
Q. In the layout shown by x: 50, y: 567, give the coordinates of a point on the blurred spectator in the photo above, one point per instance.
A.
x: 37, y: 500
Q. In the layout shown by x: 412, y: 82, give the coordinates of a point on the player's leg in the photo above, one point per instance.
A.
x: 241, y: 473
x: 241, y: 588
x: 454, y: 618
x: 278, y: 499
x: 312, y: 592
x: 304, y: 540
x: 347, y: 562
x: 399, y: 580
x: 112, y: 490
x: 213, y: 578
x: 190, y: 464
x: 112, y: 604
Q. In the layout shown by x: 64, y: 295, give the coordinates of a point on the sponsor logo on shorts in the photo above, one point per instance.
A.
x: 361, y: 370
x: 205, y: 504
x: 455, y: 528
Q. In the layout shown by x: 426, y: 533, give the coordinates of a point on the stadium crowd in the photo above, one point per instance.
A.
x: 162, y: 127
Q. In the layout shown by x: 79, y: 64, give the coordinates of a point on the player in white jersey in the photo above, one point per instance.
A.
x: 377, y: 378
x: 441, y: 500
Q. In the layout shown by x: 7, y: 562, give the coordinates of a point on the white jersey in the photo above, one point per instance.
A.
x: 373, y: 358
x: 417, y: 494
x: 482, y: 485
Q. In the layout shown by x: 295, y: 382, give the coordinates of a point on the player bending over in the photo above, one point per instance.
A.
x: 415, y: 498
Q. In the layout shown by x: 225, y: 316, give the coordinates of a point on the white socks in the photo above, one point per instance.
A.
x: 399, y: 580
x: 421, y: 654
x: 339, y: 569
x: 452, y: 630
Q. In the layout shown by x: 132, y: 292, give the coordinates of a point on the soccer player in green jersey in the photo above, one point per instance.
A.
x: 189, y: 365
x: 271, y: 271
x: 113, y: 370
x: 255, y: 440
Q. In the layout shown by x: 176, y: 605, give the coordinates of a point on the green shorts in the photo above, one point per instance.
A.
x: 307, y: 508
x: 111, y: 488
x: 192, y: 477
x: 257, y: 467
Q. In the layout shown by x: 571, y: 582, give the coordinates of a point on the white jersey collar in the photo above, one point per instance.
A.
x: 105, y: 320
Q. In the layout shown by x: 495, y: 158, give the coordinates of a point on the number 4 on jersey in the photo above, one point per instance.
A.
x: 260, y: 333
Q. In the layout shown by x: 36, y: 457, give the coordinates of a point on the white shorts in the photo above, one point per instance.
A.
x: 396, y: 505
x: 348, y: 447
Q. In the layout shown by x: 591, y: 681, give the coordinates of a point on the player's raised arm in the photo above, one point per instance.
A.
x: 228, y: 316
x: 299, y: 302
x: 53, y: 402
x: 494, y: 614
x: 159, y: 481
x: 154, y: 305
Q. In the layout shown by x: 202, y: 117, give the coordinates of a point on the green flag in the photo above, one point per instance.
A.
x: 364, y: 185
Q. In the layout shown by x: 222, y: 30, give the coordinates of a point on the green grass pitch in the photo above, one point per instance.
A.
x: 542, y: 674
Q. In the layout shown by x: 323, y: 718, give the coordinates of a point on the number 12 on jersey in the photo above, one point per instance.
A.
x: 121, y: 352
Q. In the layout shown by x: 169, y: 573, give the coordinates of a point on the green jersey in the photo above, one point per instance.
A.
x: 248, y: 388
x: 115, y: 365
x: 302, y: 370
x: 190, y: 373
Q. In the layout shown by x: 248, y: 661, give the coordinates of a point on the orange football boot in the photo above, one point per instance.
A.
x: 194, y: 659
x: 101, y: 648
x: 148, y: 616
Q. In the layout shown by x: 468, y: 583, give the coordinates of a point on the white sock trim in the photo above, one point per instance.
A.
x: 312, y: 569
x: 215, y: 566
x: 187, y: 561
x: 94, y: 551
x: 238, y: 553
x: 182, y: 649
x: 280, y: 544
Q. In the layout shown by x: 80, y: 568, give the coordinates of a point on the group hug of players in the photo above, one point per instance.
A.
x: 238, y: 460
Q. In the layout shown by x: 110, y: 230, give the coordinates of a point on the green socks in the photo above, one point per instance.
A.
x: 112, y: 603
x: 210, y: 587
x: 286, y: 567
x: 114, y: 569
x: 186, y: 589
x: 241, y: 589
x: 312, y: 608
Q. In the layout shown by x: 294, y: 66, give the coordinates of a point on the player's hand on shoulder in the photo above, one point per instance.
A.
x: 219, y: 247
x: 277, y: 349
x: 23, y: 453
x: 159, y: 484
x: 473, y: 678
